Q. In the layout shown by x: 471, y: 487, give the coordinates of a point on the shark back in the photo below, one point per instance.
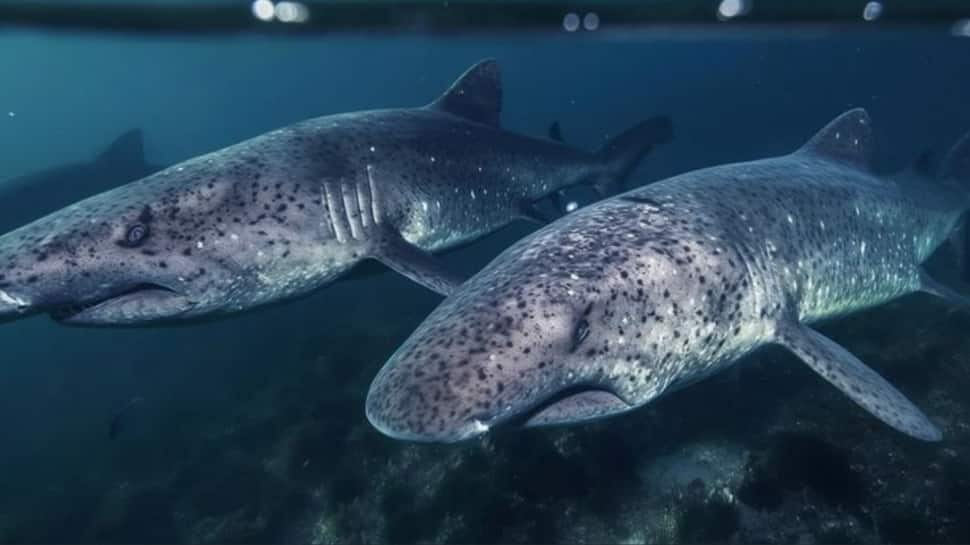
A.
x: 817, y: 225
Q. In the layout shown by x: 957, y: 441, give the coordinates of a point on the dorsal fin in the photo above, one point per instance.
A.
x: 848, y: 139
x: 555, y: 132
x: 476, y: 95
x: 127, y: 148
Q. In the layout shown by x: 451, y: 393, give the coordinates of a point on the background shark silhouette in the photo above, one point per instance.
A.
x: 26, y: 198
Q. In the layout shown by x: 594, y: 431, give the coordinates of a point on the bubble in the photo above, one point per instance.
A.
x: 292, y: 12
x: 571, y: 206
x: 961, y: 28
x: 728, y: 9
x: 570, y: 22
x: 591, y: 21
x: 263, y: 10
x: 872, y: 11
x: 11, y: 114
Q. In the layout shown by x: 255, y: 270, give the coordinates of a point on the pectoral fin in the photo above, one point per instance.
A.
x: 416, y: 264
x: 860, y: 383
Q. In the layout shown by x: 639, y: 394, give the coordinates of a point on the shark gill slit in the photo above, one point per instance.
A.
x: 348, y: 192
x: 375, y: 205
x: 363, y: 203
x: 325, y: 204
x: 335, y: 214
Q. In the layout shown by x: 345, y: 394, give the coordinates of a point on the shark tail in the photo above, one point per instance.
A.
x: 623, y: 153
x: 955, y: 173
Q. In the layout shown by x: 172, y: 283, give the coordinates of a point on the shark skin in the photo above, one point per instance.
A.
x: 287, y: 212
x: 611, y: 307
x: 32, y: 196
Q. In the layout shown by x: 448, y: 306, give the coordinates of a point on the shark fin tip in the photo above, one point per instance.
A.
x: 130, y: 146
x: 847, y: 139
x: 476, y: 95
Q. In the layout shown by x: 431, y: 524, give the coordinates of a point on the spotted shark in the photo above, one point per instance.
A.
x: 35, y: 195
x: 611, y: 307
x: 284, y: 213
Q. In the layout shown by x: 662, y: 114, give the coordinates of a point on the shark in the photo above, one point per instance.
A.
x: 32, y: 196
x: 615, y: 305
x: 289, y: 211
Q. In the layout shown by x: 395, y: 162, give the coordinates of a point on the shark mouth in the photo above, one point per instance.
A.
x: 576, y: 404
x: 75, y: 312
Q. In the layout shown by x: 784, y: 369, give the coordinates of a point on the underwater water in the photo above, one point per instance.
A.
x: 251, y: 428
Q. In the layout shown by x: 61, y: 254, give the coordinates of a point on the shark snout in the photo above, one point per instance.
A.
x: 411, y: 401
x: 448, y: 412
x: 84, y: 273
x: 456, y: 379
x: 395, y: 428
x: 76, y: 289
x: 13, y: 305
x: 426, y: 396
x: 116, y: 303
x: 467, y: 372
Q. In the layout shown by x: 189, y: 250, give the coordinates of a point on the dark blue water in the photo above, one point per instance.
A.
x: 252, y: 427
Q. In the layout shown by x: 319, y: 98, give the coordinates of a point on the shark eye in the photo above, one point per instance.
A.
x: 582, y: 329
x: 135, y: 235
x: 580, y: 334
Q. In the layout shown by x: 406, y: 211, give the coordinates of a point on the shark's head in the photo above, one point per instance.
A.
x: 563, y: 327
x: 129, y: 256
x: 529, y: 352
